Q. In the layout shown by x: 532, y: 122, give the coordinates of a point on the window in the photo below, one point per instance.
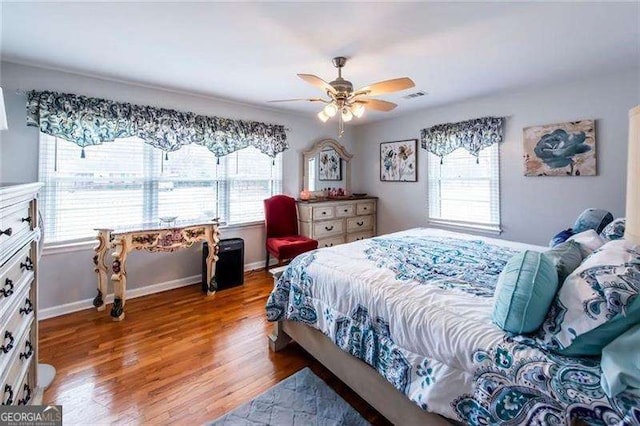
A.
x: 128, y: 182
x: 465, y: 192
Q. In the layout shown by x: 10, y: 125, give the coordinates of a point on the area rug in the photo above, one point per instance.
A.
x: 301, y: 399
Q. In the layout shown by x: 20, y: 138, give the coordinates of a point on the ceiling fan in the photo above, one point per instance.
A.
x: 346, y: 102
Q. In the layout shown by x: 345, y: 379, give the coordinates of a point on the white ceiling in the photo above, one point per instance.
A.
x: 251, y: 52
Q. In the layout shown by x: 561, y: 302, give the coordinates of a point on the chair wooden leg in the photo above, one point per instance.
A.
x: 266, y: 264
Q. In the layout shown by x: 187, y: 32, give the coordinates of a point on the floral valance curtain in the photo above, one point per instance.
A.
x: 472, y: 135
x: 89, y: 121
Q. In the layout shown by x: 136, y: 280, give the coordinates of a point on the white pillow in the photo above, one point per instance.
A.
x: 602, y: 286
x: 589, y: 241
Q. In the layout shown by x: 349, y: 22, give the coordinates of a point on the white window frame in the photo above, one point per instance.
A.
x: 494, y: 227
x: 83, y: 244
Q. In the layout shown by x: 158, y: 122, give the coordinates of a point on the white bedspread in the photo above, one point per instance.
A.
x: 416, y: 305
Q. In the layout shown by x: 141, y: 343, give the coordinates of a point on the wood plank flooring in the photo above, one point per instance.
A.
x: 178, y: 358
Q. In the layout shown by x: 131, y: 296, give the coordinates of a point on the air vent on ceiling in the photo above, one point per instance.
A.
x: 414, y: 95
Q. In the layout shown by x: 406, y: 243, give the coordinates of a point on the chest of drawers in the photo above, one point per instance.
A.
x: 336, y: 222
x: 19, y: 236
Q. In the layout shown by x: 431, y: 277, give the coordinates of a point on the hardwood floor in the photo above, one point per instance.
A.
x: 178, y: 357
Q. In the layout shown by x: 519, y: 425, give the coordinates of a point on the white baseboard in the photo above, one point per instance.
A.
x: 80, y: 305
x: 248, y: 267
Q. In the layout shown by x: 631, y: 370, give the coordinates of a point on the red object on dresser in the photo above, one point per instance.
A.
x: 281, y: 222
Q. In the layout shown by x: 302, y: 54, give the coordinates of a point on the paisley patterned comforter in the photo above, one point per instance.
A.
x: 416, y: 306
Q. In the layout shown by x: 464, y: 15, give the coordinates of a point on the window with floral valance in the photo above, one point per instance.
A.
x: 472, y: 135
x: 464, y: 190
x: 88, y: 121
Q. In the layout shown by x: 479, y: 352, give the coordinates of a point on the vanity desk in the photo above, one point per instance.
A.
x: 333, y: 220
x: 338, y: 221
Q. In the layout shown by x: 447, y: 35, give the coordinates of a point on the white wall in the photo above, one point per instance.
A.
x: 69, y: 277
x: 533, y: 208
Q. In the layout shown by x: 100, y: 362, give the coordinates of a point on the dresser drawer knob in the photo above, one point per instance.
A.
x: 7, y: 232
x: 27, y: 265
x: 328, y: 228
x: 8, y: 390
x: 26, y: 219
x: 9, y: 345
x: 359, y: 223
x: 346, y: 210
x: 324, y: 212
x: 28, y: 307
x: 27, y: 354
x: 27, y: 396
x: 8, y: 288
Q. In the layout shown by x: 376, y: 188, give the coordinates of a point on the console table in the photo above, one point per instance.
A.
x: 152, y: 237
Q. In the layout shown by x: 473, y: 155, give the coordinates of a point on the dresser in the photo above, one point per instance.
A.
x: 19, y: 236
x: 339, y: 221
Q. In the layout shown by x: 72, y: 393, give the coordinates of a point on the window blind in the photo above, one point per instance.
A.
x: 465, y: 191
x: 126, y: 182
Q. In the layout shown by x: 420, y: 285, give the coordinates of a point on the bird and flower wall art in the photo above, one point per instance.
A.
x: 398, y: 161
x: 564, y: 149
x: 330, y: 166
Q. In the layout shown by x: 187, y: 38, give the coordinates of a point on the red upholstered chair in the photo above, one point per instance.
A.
x: 281, y: 220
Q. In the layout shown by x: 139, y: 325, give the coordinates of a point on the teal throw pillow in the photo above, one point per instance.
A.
x: 526, y: 287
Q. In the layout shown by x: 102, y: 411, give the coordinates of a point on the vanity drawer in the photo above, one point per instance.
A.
x: 12, y: 383
x: 320, y: 213
x: 330, y: 242
x: 14, y: 223
x: 25, y: 393
x: 13, y: 276
x: 14, y: 330
x: 328, y: 228
x: 365, y: 208
x: 359, y: 223
x: 359, y: 236
x: 346, y: 210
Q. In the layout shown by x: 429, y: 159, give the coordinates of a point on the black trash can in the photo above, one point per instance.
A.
x: 230, y: 264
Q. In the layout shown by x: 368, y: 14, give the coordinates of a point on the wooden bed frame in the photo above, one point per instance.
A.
x: 356, y: 374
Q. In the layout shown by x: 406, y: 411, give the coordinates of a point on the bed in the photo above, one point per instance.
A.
x: 414, y: 309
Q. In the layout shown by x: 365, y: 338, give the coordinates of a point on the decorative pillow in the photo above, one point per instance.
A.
x: 614, y: 230
x: 561, y: 237
x: 621, y: 363
x: 595, y: 219
x: 566, y: 257
x: 597, y: 303
x: 590, y: 241
x: 524, y: 291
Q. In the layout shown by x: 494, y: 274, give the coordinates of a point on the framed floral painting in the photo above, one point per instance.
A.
x: 565, y: 149
x: 330, y: 166
x: 399, y: 161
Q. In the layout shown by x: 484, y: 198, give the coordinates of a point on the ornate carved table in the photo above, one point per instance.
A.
x: 152, y: 237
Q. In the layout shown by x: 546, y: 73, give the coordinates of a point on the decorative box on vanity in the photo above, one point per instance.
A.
x: 338, y: 221
x: 19, y: 236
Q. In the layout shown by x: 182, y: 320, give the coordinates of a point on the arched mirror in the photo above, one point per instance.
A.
x: 326, y: 165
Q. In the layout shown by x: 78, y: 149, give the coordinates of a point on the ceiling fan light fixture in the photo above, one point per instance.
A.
x: 330, y: 110
x: 323, y: 117
x: 357, y: 110
x: 346, y: 114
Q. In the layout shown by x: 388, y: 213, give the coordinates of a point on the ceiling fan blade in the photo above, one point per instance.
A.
x: 295, y: 100
x: 318, y: 82
x: 376, y: 104
x: 387, y: 86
